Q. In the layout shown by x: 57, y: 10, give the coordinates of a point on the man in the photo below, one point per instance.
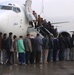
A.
x: 72, y: 48
x: 67, y: 48
x: 0, y: 48
x: 21, y: 50
x: 62, y: 47
x: 55, y: 48
x: 50, y: 53
x: 39, y: 20
x: 15, y: 48
x: 4, y: 47
x: 45, y: 48
x: 28, y: 48
x: 35, y: 15
x: 33, y: 53
x: 38, y: 48
x: 9, y: 45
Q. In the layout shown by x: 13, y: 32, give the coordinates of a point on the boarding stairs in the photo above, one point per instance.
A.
x: 41, y: 30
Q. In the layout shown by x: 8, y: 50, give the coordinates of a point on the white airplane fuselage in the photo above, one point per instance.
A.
x: 12, y: 20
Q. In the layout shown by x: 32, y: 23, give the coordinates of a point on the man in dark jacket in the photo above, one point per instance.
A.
x: 0, y: 48
x: 50, y: 53
x: 4, y: 47
x: 72, y: 48
x: 55, y: 48
x: 33, y: 53
x: 67, y: 48
x: 45, y: 48
x: 62, y: 47
x: 9, y: 44
x: 38, y: 48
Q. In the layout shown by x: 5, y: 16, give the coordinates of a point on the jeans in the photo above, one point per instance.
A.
x: 50, y: 55
x: 21, y: 58
x: 28, y: 54
x: 67, y: 54
x: 61, y: 54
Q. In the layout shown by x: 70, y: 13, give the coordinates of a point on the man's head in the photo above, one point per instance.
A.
x: 21, y: 37
x: 38, y: 35
x: 33, y: 11
x: 4, y: 35
x: 0, y: 33
x: 14, y: 37
x: 10, y: 34
x: 28, y: 35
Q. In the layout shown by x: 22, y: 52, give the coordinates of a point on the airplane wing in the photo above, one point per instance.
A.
x: 60, y: 22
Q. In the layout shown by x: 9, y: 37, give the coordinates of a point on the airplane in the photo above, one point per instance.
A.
x: 15, y: 17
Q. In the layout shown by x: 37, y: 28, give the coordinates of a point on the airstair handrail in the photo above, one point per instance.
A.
x: 45, y: 29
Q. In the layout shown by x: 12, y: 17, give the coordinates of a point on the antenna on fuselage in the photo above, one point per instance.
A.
x: 9, y: 4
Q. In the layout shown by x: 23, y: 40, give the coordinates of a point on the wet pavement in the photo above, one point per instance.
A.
x: 59, y: 68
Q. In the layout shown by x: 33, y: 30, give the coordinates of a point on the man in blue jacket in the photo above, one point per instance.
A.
x: 38, y: 48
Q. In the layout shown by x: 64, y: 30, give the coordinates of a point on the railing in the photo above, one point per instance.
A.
x: 43, y: 30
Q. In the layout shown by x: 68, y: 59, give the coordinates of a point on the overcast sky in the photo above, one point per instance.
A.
x: 55, y: 8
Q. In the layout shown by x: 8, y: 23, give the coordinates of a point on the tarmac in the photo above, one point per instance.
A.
x: 59, y: 68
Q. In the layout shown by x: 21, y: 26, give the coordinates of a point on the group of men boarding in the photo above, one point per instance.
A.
x: 35, y: 50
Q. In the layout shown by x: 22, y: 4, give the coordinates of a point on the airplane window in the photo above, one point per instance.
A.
x: 6, y: 7
x: 14, y: 9
x: 17, y: 10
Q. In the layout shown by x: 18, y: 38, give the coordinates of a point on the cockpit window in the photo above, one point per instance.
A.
x: 6, y: 7
x: 17, y: 10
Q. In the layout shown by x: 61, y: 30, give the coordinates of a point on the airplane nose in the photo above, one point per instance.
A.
x: 3, y: 20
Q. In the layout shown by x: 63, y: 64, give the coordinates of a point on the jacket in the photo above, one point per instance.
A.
x: 0, y: 42
x: 27, y: 43
x: 9, y: 43
x: 45, y: 43
x: 55, y: 44
x: 38, y: 44
x: 20, y: 46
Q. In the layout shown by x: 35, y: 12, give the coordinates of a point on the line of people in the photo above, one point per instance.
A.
x: 31, y: 50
